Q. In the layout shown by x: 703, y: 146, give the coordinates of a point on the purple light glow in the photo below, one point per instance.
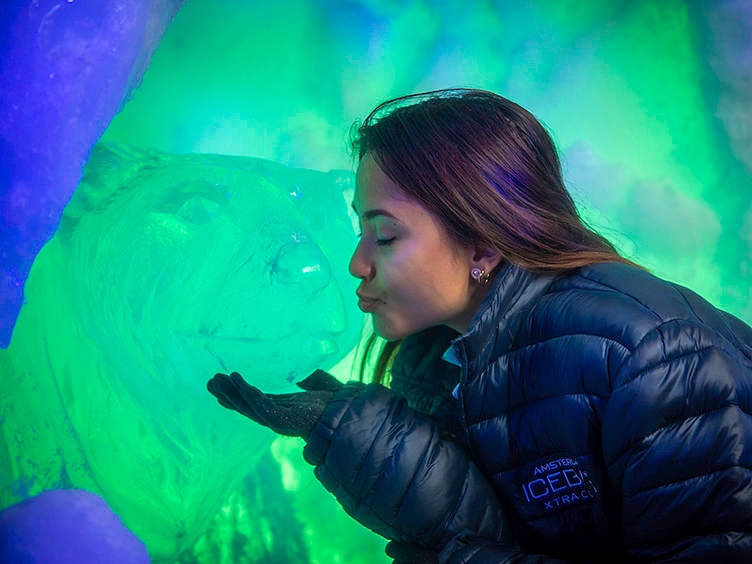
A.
x: 66, y: 69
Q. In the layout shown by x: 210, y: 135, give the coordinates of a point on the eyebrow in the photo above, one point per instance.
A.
x: 370, y: 214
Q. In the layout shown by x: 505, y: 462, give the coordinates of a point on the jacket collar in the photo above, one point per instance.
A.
x: 492, y: 330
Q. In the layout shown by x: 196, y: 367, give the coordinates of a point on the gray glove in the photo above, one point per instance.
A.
x: 293, y: 415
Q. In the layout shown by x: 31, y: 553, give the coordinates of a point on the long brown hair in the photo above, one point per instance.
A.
x: 489, y: 171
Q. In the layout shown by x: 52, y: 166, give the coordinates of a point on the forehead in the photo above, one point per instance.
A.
x: 377, y: 195
x: 374, y: 188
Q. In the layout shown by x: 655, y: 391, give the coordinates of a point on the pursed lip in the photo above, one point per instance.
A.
x: 366, y: 303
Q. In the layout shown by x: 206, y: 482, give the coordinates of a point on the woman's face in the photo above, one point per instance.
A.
x: 413, y: 276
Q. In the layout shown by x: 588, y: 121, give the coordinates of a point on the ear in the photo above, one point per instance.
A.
x: 103, y: 178
x: 487, y: 258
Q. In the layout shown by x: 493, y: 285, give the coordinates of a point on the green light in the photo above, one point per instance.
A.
x: 167, y: 269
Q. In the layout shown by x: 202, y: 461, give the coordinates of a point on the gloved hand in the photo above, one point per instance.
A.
x: 294, y: 415
x: 404, y: 553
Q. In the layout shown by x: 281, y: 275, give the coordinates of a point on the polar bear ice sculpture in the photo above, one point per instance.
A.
x: 165, y: 270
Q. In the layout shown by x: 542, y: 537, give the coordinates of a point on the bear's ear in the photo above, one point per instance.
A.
x: 106, y: 175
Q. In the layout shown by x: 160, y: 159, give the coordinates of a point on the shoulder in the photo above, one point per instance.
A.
x: 624, y: 303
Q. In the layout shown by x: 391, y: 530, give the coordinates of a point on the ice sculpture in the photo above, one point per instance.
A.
x: 67, y: 527
x: 165, y: 270
x: 65, y: 70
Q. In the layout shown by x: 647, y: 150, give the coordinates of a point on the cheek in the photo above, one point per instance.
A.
x: 389, y: 277
x: 407, y: 270
x: 448, y: 281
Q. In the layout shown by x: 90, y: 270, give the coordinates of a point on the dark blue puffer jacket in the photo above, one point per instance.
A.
x: 602, y: 416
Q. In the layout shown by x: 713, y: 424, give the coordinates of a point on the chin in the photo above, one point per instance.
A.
x: 389, y: 332
x: 389, y: 336
x: 384, y: 330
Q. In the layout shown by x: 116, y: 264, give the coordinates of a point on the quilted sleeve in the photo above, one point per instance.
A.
x: 390, y: 469
x: 677, y: 440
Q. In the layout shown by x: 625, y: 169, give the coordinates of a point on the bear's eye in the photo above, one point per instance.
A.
x: 197, y: 201
x: 198, y: 210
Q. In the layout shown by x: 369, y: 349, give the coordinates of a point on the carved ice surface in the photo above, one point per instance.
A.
x: 65, y: 70
x: 67, y: 527
x: 165, y: 270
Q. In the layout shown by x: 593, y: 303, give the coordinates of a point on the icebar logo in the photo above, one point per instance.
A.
x: 559, y: 483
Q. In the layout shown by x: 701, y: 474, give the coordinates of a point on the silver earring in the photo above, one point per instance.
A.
x: 480, y: 276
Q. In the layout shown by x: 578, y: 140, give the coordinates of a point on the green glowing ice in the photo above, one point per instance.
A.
x: 165, y: 270
x: 628, y: 89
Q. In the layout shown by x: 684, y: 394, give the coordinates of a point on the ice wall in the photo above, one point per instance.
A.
x: 657, y: 92
x: 66, y: 68
x: 67, y: 527
x: 648, y: 101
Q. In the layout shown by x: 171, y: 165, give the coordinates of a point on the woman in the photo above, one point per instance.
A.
x: 549, y: 399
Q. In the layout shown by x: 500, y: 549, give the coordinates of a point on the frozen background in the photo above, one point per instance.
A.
x: 650, y: 103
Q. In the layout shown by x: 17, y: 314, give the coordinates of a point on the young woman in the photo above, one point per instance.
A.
x: 549, y: 400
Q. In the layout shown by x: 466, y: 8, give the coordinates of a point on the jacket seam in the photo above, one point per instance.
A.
x: 364, y: 499
x: 567, y: 335
x: 691, y: 547
x: 665, y: 360
x: 686, y: 301
x: 460, y: 497
x: 669, y: 359
x: 695, y: 415
x: 511, y: 409
x: 367, y: 455
x: 367, y: 502
x: 369, y: 506
x: 412, y: 480
x: 614, y: 290
x: 684, y: 480
x: 325, y: 439
x: 673, y: 423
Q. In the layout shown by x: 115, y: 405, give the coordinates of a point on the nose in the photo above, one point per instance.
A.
x: 303, y: 264
x: 360, y: 266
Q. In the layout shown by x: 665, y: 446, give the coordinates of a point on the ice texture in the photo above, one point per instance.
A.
x: 66, y: 68
x: 729, y: 38
x: 165, y: 270
x: 67, y: 527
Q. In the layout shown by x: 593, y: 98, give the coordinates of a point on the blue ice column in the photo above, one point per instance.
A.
x: 67, y: 67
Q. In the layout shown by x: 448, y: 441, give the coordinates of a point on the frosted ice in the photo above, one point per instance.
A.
x: 66, y: 68
x: 165, y: 270
x: 67, y: 527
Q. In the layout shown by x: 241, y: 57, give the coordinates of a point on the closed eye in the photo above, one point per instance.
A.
x: 191, y: 195
x: 198, y: 210
x: 379, y: 242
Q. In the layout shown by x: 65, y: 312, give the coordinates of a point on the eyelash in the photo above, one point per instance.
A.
x: 381, y: 242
